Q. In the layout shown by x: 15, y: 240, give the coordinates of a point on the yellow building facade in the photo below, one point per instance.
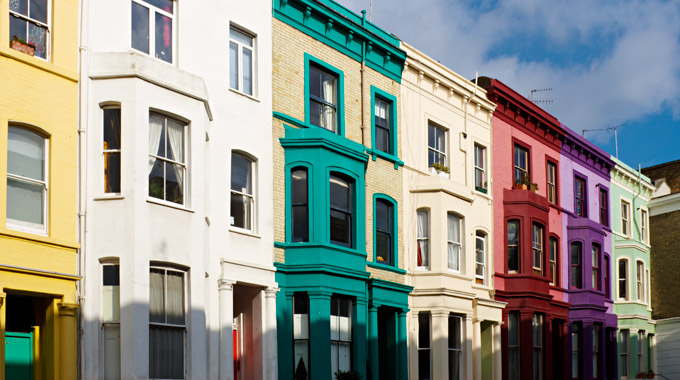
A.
x: 38, y: 198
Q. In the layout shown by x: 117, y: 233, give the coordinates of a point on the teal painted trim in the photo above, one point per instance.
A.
x: 340, y: 96
x: 394, y: 232
x: 394, y: 145
x: 344, y: 31
x: 387, y: 293
x: 323, y: 269
x: 385, y: 267
x: 319, y: 137
x: 289, y: 201
x: 290, y: 119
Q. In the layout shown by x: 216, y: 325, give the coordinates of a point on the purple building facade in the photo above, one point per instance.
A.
x: 587, y: 258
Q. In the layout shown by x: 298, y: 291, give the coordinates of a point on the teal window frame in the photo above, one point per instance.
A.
x: 353, y: 182
x: 395, y: 230
x: 310, y: 60
x: 377, y: 93
x: 289, y: 200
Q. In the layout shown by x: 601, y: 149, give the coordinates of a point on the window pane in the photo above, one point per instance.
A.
x: 111, y: 293
x: 455, y: 338
x: 382, y: 139
x: 111, y: 351
x: 454, y: 365
x: 163, y: 37
x: 37, y: 35
x: 513, y: 245
x: 175, y: 298
x: 241, y: 37
x: 166, y: 5
x: 340, y: 227
x: 175, y: 140
x: 25, y: 154
x: 19, y: 6
x: 233, y: 65
x: 383, y: 247
x: 340, y: 193
x: 111, y: 128
x: 174, y: 183
x: 157, y: 296
x: 240, y: 211
x: 248, y: 71
x: 140, y: 28
x: 166, y: 352
x: 24, y: 201
x: 513, y: 329
x: 423, y: 330
x: 39, y: 10
x: 17, y: 27
x: 112, y: 172
x: 241, y: 174
x: 383, y: 215
x: 299, y: 210
x: 315, y: 82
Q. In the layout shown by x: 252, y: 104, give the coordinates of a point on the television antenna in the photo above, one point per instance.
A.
x: 616, y: 135
x: 370, y: 11
x: 539, y: 101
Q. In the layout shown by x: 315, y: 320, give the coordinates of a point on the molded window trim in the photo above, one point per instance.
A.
x: 626, y: 218
x: 603, y: 200
x: 391, y: 100
x: 350, y: 211
x: 596, y: 254
x: 537, y: 247
x: 480, y: 168
x: 580, y: 200
x: 311, y: 61
x: 641, y: 293
x: 394, y: 229
x: 454, y: 244
x: 521, y: 173
x: 552, y: 182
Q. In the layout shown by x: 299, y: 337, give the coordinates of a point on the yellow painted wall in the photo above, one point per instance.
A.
x: 44, y: 94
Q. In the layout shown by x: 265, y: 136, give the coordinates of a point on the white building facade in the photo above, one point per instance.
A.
x: 454, y: 323
x: 176, y: 191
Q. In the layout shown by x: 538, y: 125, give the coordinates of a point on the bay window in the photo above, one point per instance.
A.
x: 424, y: 357
x: 576, y: 351
x: 623, y: 351
x: 595, y: 253
x: 576, y: 268
x: 152, y: 28
x: 642, y: 351
x: 537, y: 337
x: 301, y: 332
x: 553, y: 261
x: 242, y: 192
x: 299, y: 215
x: 480, y: 257
x: 640, y: 281
x: 455, y: 347
x: 341, y: 334
x: 513, y: 245
x: 27, y: 170
x: 623, y: 279
x: 167, y: 325
x: 454, y: 242
x: 111, y: 150
x: 596, y: 351
x: 537, y: 247
x: 341, y: 210
x: 167, y: 158
x: 423, y: 238
x: 111, y: 320
x: 513, y: 346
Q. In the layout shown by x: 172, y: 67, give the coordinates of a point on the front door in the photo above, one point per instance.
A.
x: 18, y: 356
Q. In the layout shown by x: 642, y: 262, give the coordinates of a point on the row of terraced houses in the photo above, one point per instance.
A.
x: 303, y: 195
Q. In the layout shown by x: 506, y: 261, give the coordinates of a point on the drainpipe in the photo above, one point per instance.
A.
x: 83, y: 94
x: 465, y: 119
x: 363, y: 85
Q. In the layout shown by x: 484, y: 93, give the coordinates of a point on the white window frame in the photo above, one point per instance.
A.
x: 240, y: 48
x: 458, y: 350
x: 481, y: 236
x: 552, y: 259
x: 625, y: 217
x: 457, y: 245
x: 184, y: 163
x: 624, y: 279
x: 525, y: 171
x: 423, y: 239
x: 48, y: 34
x: 165, y: 302
x: 640, y: 281
x: 19, y: 225
x: 642, y: 362
x: 552, y: 186
x: 106, y: 151
x: 434, y: 149
x: 251, y: 197
x: 111, y: 323
x: 644, y: 225
x: 152, y: 30
x: 537, y: 247
x: 624, y: 335
x: 480, y: 168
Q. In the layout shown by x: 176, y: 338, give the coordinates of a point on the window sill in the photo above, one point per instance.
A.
x: 38, y: 238
x: 168, y: 204
x: 434, y: 171
x: 385, y: 156
x: 386, y: 267
x: 39, y: 63
x: 481, y: 286
x: 111, y: 197
x: 251, y: 97
x: 27, y: 230
x: 311, y: 245
x: 481, y: 190
x: 244, y: 232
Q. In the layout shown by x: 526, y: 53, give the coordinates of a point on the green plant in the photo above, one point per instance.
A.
x: 347, y: 375
x: 440, y: 168
x: 301, y: 371
x: 524, y: 179
x: 156, y: 190
x: 21, y: 41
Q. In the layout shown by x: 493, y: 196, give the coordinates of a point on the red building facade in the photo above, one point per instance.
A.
x: 528, y: 231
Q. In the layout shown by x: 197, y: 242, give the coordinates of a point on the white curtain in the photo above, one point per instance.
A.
x: 175, y: 307
x: 454, y: 242
x: 176, y: 140
x: 423, y: 233
x: 155, y: 130
x: 328, y: 116
x: 156, y: 300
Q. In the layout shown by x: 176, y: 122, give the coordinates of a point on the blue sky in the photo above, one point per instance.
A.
x: 607, y: 62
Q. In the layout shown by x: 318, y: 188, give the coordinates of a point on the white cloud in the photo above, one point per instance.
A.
x: 633, y: 50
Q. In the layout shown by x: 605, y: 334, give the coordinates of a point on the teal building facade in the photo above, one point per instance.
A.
x: 338, y: 252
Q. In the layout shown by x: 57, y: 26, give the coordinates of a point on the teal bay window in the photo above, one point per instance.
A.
x: 341, y: 210
x: 384, y: 229
x: 299, y: 208
x: 324, y: 95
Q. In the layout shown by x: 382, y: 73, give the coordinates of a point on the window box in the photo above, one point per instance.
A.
x: 19, y: 45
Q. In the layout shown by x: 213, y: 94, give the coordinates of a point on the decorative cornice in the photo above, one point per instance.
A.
x: 321, y: 138
x: 345, y: 31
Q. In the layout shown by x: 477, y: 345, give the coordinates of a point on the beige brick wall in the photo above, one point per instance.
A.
x: 289, y: 46
x: 665, y: 265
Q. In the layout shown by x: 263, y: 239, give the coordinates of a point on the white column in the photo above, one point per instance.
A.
x: 476, y: 349
x: 226, y: 329
x: 271, y: 362
x: 497, y: 353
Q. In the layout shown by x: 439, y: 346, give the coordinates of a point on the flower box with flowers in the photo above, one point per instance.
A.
x: 18, y: 44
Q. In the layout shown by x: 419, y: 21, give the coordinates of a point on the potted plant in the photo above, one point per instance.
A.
x: 440, y: 168
x: 347, y: 375
x: 533, y: 187
x: 523, y: 182
x: 651, y: 374
x: 18, y: 44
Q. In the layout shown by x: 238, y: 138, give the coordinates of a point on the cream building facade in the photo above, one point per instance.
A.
x: 454, y: 323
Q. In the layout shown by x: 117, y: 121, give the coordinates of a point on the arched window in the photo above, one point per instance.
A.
x: 623, y: 279
x: 513, y: 245
x: 423, y: 237
x: 554, y: 254
x: 242, y: 194
x: 384, y: 231
x: 455, y: 232
x: 299, y: 205
x: 341, y: 210
x: 26, y: 180
x: 480, y: 257
x: 576, y: 265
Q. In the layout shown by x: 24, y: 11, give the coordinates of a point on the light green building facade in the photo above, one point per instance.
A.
x: 629, y: 195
